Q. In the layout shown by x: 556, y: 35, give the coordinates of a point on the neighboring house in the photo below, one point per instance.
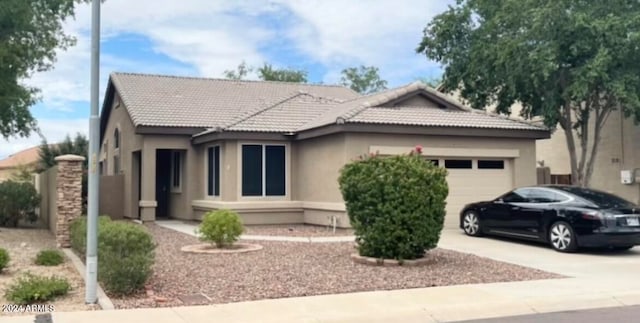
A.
x: 273, y: 151
x: 25, y: 158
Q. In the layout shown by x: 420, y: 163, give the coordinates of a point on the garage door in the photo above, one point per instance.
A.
x: 472, y: 180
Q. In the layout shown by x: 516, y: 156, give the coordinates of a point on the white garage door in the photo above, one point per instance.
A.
x: 472, y: 180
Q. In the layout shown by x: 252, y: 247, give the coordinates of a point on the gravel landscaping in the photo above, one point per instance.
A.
x: 287, y: 269
x: 296, y: 230
x: 23, y: 245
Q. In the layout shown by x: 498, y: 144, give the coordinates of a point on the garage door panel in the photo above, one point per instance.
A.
x: 473, y: 185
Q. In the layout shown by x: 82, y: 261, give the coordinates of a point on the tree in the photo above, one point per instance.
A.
x: 79, y: 145
x: 31, y: 34
x: 571, y: 62
x: 239, y: 73
x: 432, y: 81
x: 268, y: 73
x: 363, y: 79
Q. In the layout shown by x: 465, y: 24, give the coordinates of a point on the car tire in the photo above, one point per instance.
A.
x: 471, y: 224
x: 562, y: 238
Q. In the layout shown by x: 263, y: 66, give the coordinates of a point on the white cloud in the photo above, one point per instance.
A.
x: 55, y: 130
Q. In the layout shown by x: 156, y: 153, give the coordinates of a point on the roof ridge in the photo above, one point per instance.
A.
x: 385, y: 96
x: 253, y: 112
x: 225, y: 80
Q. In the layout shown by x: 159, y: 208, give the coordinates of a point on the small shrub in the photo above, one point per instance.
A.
x: 221, y: 227
x: 396, y: 204
x: 31, y: 289
x: 125, y: 257
x: 78, y: 232
x: 4, y: 259
x: 18, y: 201
x: 49, y: 257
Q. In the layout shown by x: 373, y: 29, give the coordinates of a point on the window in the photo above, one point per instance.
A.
x: 213, y: 171
x: 176, y: 170
x: 101, y: 168
x: 516, y: 196
x: 457, y: 163
x: 263, y: 170
x: 490, y: 164
x: 535, y: 195
x: 116, y: 139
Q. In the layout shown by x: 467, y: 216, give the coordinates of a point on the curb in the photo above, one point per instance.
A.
x: 103, y: 300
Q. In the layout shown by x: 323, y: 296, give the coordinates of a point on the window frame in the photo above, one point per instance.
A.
x: 206, y: 171
x: 179, y: 174
x: 287, y: 171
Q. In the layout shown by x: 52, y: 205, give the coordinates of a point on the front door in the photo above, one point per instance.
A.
x: 163, y: 182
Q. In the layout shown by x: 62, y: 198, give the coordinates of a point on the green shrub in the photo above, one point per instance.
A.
x: 51, y: 257
x: 78, y: 232
x: 4, y: 259
x: 125, y: 257
x: 396, y: 204
x: 221, y: 227
x: 18, y: 201
x: 31, y: 289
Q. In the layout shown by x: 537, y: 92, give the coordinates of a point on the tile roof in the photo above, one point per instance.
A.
x: 157, y: 100
x: 24, y: 157
x: 254, y: 106
x: 419, y: 116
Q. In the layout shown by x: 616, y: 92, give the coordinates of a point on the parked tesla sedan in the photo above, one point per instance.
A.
x: 566, y: 217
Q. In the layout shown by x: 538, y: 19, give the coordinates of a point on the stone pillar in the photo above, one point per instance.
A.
x: 69, y: 195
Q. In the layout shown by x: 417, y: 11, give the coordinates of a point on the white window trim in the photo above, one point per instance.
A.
x: 287, y: 171
x: 177, y: 189
x: 206, y: 171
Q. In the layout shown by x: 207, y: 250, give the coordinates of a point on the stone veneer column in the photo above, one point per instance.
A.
x: 69, y: 195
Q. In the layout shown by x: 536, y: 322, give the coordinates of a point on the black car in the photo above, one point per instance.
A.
x: 567, y: 217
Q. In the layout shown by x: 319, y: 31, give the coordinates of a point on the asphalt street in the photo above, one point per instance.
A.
x: 608, y: 315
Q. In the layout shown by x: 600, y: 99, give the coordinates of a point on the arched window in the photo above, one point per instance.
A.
x: 116, y: 139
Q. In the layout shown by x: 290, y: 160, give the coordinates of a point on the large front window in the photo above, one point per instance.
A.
x: 263, y: 170
x: 213, y: 171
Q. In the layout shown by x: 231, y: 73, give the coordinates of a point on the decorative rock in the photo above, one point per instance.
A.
x: 208, y: 248
x: 391, y: 262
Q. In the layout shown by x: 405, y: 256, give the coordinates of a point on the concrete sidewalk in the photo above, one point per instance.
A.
x: 597, y: 280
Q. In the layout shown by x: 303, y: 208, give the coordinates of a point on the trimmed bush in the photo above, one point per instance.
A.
x: 221, y: 227
x: 125, y: 257
x: 396, y: 204
x: 18, y: 201
x: 50, y: 257
x: 125, y: 253
x: 4, y: 259
x: 31, y: 289
x: 78, y: 232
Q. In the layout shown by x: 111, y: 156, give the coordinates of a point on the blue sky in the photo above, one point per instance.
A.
x: 206, y: 37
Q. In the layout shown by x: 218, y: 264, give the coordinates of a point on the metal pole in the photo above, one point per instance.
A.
x: 91, y: 283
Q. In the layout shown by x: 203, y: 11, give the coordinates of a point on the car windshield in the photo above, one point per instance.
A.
x: 601, y: 199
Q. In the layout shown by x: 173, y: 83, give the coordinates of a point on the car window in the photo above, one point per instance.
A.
x: 601, y: 199
x: 516, y: 196
x: 535, y: 195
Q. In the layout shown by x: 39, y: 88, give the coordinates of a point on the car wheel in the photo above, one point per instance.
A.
x: 562, y: 237
x: 471, y: 224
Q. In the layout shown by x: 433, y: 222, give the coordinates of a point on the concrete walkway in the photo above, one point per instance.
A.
x: 597, y: 280
x: 190, y: 229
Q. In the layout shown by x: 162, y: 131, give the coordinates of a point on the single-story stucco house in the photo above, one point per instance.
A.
x: 27, y: 158
x: 273, y: 151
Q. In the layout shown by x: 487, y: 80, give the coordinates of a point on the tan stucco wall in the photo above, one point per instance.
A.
x: 129, y: 142
x: 5, y: 174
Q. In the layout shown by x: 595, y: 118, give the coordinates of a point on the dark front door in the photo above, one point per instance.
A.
x: 163, y: 182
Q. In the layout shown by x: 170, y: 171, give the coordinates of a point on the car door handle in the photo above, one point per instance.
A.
x: 515, y: 208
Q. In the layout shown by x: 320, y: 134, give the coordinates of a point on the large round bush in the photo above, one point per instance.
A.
x: 221, y: 227
x: 396, y: 204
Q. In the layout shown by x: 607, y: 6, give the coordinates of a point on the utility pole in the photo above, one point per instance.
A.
x: 91, y: 283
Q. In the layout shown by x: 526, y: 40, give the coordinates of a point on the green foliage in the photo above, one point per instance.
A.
x: 4, y: 259
x: 31, y: 289
x: 267, y: 73
x: 32, y: 33
x: 18, y: 201
x: 221, y: 227
x: 23, y: 173
x: 240, y: 73
x: 571, y: 62
x: 125, y: 257
x: 125, y: 253
x: 51, y: 257
x: 78, y: 232
x: 396, y: 204
x: 363, y: 79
